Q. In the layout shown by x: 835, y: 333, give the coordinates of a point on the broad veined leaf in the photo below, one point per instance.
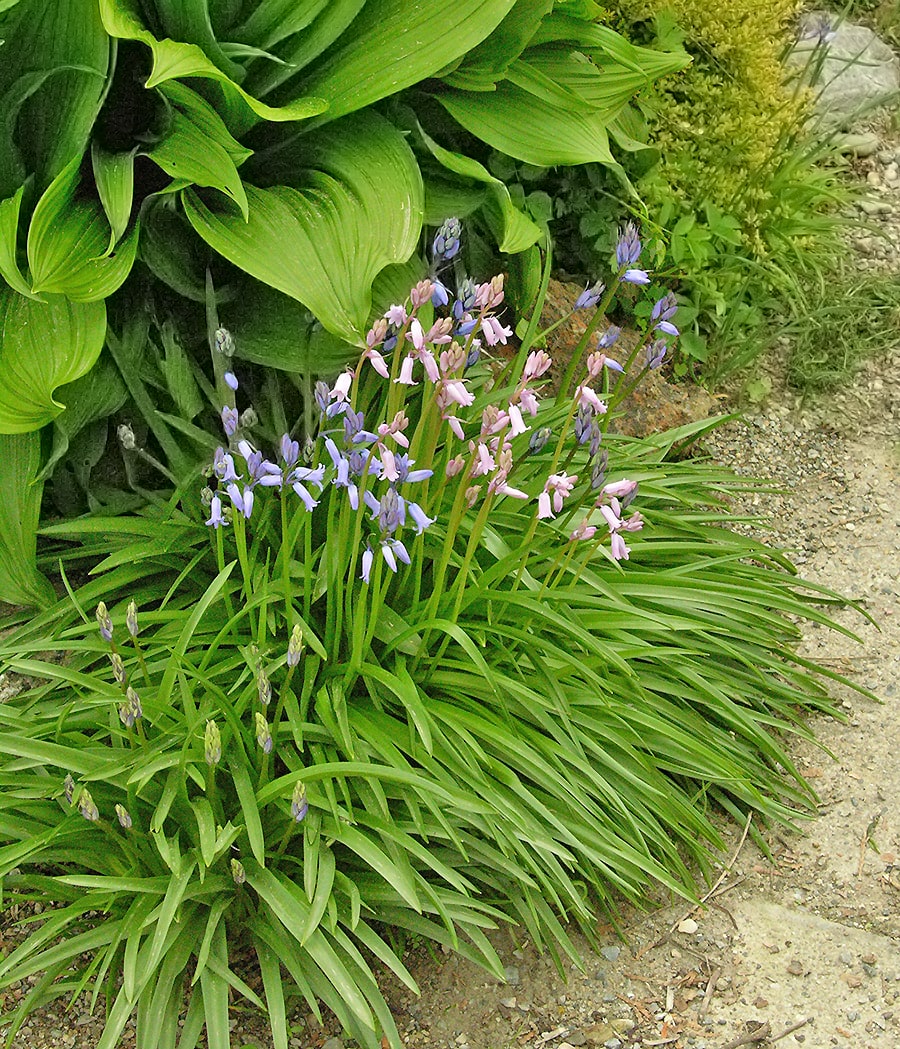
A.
x: 201, y: 113
x: 173, y: 59
x: 9, y: 228
x: 487, y: 63
x: 68, y: 244
x: 20, y: 581
x: 114, y: 178
x: 277, y: 331
x: 529, y: 128
x: 394, y: 44
x: 43, y: 345
x: 272, y: 21
x: 514, y: 230
x: 188, y: 154
x: 55, y: 60
x: 191, y: 23
x: 171, y: 249
x: 296, y: 54
x: 96, y: 395
x: 356, y: 209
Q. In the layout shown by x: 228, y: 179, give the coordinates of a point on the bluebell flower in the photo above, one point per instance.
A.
x: 230, y: 380
x: 390, y: 511
x: 595, y: 439
x: 584, y: 419
x: 322, y: 393
x: 242, y: 501
x: 474, y: 356
x: 446, y: 241
x: 466, y: 326
x: 589, y: 298
x: 608, y: 338
x: 628, y: 249
x: 420, y: 519
x: 538, y: 439
x: 290, y: 450
x: 299, y: 804
x: 635, y: 277
x: 124, y: 817
x: 353, y: 428
x: 230, y: 421
x: 223, y: 465
x: 656, y: 353
x: 216, y: 520
x: 405, y: 475
x: 465, y: 298
x: 390, y: 343
x: 440, y: 296
x: 367, y: 558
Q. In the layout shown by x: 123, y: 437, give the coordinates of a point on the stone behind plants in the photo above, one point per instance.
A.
x: 859, y: 71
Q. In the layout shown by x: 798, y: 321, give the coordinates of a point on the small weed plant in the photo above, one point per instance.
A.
x: 446, y: 654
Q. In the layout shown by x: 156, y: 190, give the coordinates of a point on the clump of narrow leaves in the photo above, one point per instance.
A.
x: 401, y: 673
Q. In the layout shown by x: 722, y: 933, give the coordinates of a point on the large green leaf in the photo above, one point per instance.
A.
x: 393, y: 44
x: 55, y: 58
x: 20, y: 581
x: 173, y: 59
x: 513, y: 229
x: 529, y: 127
x: 356, y: 209
x: 114, y: 177
x: 68, y: 243
x: 43, y: 345
x: 272, y: 21
x: 96, y: 395
x: 487, y: 63
x: 9, y: 228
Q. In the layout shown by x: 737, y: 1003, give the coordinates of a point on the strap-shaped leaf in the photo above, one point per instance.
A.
x: 20, y: 581
x: 114, y: 176
x: 356, y: 209
x: 68, y: 244
x: 173, y: 60
x: 43, y: 345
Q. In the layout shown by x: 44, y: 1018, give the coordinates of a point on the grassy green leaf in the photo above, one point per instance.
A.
x: 20, y: 581
x: 43, y: 345
x: 114, y: 177
x: 357, y: 208
x: 250, y: 809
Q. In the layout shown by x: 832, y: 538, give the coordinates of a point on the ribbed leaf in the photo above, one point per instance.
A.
x: 513, y: 229
x: 52, y: 78
x: 9, y: 226
x: 43, y: 345
x: 114, y: 177
x: 271, y: 21
x: 68, y: 243
x: 356, y: 209
x: 529, y: 128
x: 393, y: 44
x: 173, y: 60
x: 487, y: 63
x: 20, y: 581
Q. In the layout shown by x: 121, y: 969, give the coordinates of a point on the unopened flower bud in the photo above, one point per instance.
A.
x: 299, y: 804
x: 598, y: 470
x: 472, y: 495
x: 104, y: 622
x: 237, y: 872
x: 231, y: 381
x: 455, y: 466
x: 126, y: 716
x: 212, y: 744
x: 126, y: 437
x: 124, y: 817
x: 118, y: 668
x: 446, y: 241
x: 263, y: 687
x: 249, y: 418
x: 134, y: 703
x: 263, y: 733
x: 421, y: 293
x: 538, y: 439
x: 86, y: 806
x: 295, y: 646
x: 131, y: 619
x: 224, y: 343
x: 69, y: 787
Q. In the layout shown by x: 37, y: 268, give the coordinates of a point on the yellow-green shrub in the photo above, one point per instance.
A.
x: 720, y: 121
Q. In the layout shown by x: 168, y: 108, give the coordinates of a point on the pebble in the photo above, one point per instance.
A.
x: 333, y: 1043
x: 611, y: 954
x: 511, y: 972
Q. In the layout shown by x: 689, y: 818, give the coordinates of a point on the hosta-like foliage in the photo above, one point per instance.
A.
x: 254, y: 122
